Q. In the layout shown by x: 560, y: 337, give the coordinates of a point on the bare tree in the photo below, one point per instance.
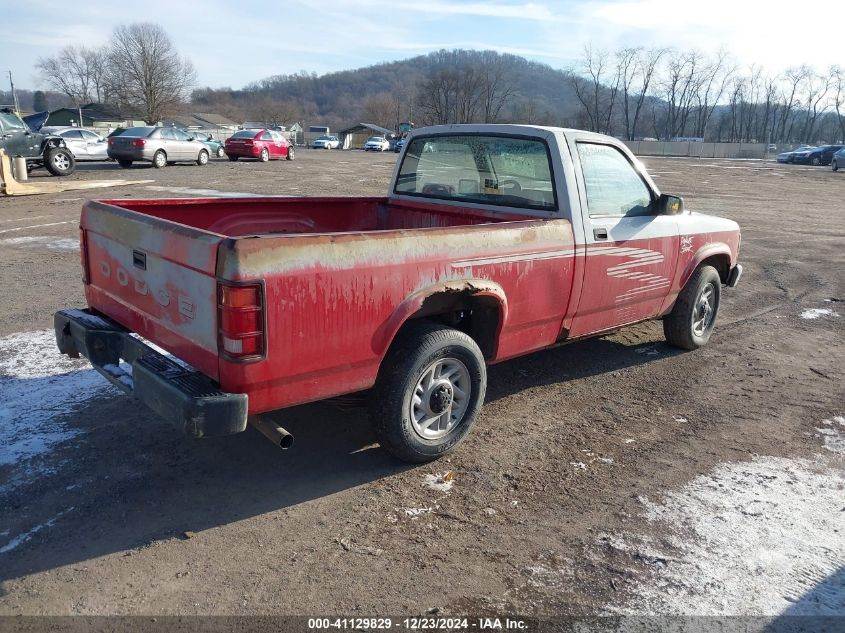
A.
x: 76, y: 71
x: 838, y: 75
x: 587, y: 81
x: 818, y: 87
x: 146, y: 72
x: 380, y: 109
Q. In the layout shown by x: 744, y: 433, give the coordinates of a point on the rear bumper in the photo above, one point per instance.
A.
x: 182, y: 395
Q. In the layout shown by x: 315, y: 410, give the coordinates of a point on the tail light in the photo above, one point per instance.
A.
x: 83, y: 254
x: 111, y: 141
x: 240, y: 318
x: 139, y: 142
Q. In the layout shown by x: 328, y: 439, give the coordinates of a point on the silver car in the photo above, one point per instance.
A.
x: 83, y: 144
x: 159, y: 145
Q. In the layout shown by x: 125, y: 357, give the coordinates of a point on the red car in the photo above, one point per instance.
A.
x: 261, y: 144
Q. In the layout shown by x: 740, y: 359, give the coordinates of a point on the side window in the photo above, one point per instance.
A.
x: 89, y: 136
x: 613, y: 186
x: 73, y: 135
x: 179, y: 135
x: 166, y: 134
x: 11, y: 122
x: 266, y: 136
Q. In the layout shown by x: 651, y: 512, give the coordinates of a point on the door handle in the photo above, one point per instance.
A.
x: 600, y: 234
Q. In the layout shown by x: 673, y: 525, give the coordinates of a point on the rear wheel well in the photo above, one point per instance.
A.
x: 721, y: 263
x: 477, y: 316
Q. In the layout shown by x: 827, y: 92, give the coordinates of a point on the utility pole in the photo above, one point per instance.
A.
x: 14, y: 95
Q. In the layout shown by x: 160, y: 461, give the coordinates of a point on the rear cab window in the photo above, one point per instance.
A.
x: 486, y: 169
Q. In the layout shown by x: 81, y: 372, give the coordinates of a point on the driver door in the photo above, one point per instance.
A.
x: 631, y: 249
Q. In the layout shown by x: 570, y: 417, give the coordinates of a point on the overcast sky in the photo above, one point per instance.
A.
x: 232, y: 43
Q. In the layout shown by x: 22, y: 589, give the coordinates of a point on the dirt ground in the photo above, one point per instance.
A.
x: 105, y: 509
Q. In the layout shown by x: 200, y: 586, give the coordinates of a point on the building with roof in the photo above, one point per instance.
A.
x: 354, y: 137
x: 95, y: 115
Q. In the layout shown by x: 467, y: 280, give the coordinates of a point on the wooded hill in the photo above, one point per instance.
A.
x: 474, y: 85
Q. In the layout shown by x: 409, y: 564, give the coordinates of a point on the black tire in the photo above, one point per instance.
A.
x: 202, y: 158
x: 815, y: 160
x: 419, y: 347
x: 265, y: 155
x: 160, y: 159
x: 291, y: 153
x: 233, y: 158
x: 834, y: 166
x: 59, y: 161
x: 125, y: 164
x: 680, y: 325
x: 220, y: 152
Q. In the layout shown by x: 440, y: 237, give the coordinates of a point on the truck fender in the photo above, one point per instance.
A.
x: 713, y: 249
x: 412, y: 304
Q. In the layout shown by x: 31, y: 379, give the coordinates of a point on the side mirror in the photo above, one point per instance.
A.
x: 670, y: 205
x: 191, y: 138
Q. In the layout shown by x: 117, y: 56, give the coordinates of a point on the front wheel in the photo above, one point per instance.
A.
x: 59, y: 161
x: 816, y: 161
x: 291, y: 153
x: 834, y: 166
x: 691, y: 321
x: 428, y: 393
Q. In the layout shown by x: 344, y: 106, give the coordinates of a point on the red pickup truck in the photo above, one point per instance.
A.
x: 494, y: 241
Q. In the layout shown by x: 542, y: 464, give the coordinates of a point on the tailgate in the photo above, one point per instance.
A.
x: 154, y: 277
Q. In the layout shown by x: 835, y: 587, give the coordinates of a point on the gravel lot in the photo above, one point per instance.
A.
x: 615, y: 475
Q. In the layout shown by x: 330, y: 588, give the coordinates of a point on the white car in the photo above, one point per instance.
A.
x: 326, y: 142
x: 377, y: 144
x: 83, y: 144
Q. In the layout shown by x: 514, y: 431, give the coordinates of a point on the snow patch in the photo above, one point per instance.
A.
x: 35, y: 241
x: 816, y: 313
x: 20, y: 539
x: 441, y: 483
x: 38, y: 386
x: 752, y: 538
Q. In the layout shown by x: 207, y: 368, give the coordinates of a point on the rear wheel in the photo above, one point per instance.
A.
x: 59, y: 161
x: 126, y: 164
x: 233, y: 158
x: 159, y: 159
x: 691, y: 321
x: 265, y: 155
x: 202, y: 159
x: 291, y: 153
x: 429, y: 391
x: 220, y: 152
x: 816, y: 161
x: 834, y: 166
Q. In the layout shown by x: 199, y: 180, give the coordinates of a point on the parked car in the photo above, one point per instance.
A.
x: 838, y: 160
x: 465, y: 262
x: 214, y: 146
x: 376, y: 144
x: 157, y: 145
x: 397, y: 147
x: 40, y: 149
x: 326, y: 142
x: 821, y: 155
x: 261, y: 144
x: 788, y: 157
x: 83, y: 144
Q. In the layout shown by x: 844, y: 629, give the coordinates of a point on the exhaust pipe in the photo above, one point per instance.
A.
x: 272, y: 431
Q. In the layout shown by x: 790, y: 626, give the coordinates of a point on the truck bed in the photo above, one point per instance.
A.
x: 339, y: 276
x: 243, y: 217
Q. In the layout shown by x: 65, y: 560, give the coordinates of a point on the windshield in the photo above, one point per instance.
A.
x: 375, y: 139
x: 325, y: 138
x: 475, y: 168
